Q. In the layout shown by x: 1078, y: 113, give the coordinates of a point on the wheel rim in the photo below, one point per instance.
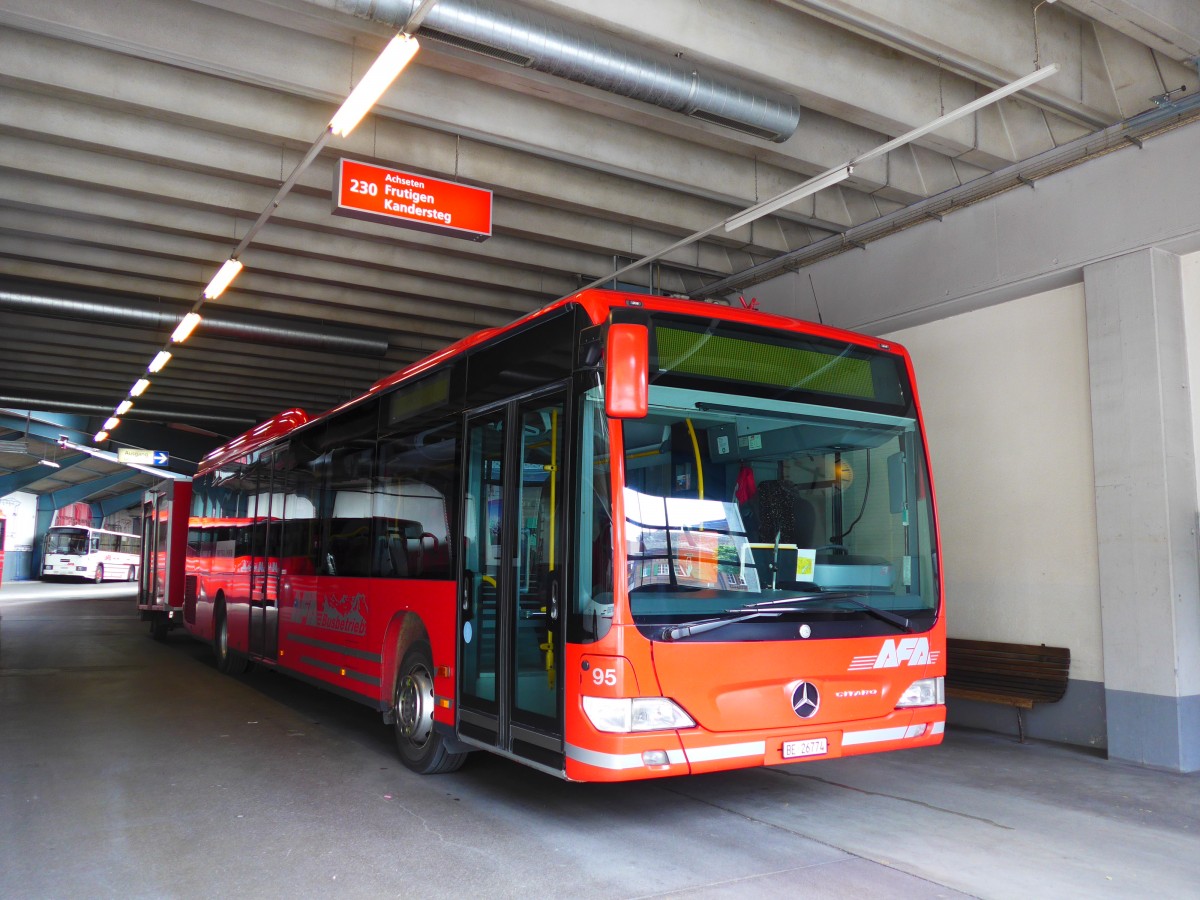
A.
x: 99, y: 574
x: 414, y: 706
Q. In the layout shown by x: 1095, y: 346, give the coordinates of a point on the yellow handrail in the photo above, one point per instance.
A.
x: 699, y: 465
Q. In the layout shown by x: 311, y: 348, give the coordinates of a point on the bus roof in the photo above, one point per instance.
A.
x: 597, y: 303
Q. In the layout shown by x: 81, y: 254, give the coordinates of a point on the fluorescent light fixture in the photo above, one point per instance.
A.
x: 185, y: 328
x: 395, y: 56
x: 123, y: 407
x: 220, y: 281
x: 112, y: 423
x: 841, y: 173
x: 100, y: 437
x: 49, y: 462
x: 139, y: 387
x: 964, y: 110
x: 156, y: 364
x: 799, y: 192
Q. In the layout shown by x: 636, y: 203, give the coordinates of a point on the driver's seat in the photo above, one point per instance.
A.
x: 783, y: 512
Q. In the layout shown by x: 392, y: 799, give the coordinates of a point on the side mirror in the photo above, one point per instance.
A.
x: 627, y: 371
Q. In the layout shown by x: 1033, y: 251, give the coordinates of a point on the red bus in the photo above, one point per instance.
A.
x: 624, y: 537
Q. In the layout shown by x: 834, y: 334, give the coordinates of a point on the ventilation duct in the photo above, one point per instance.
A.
x: 535, y: 40
x: 37, y: 300
x: 176, y: 415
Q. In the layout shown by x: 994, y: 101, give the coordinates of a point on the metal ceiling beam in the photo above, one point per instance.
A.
x: 15, y: 481
x: 1172, y: 27
x: 175, y: 413
x: 961, y: 39
x: 80, y: 492
x: 110, y: 505
x: 42, y: 427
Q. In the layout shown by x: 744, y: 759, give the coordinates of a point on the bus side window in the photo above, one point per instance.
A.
x: 411, y: 503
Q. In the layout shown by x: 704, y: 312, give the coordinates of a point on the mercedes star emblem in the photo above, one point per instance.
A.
x: 806, y: 700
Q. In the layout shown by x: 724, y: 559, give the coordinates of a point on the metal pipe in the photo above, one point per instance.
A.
x: 1130, y: 131
x: 535, y: 40
x: 123, y: 311
x: 16, y: 402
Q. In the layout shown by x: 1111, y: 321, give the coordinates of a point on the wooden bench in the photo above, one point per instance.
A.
x: 1016, y: 675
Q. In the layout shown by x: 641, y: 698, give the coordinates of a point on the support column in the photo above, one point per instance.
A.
x: 1146, y: 507
x: 42, y: 522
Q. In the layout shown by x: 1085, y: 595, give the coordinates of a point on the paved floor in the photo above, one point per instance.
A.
x: 130, y: 768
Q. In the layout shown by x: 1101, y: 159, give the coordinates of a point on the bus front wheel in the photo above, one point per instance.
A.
x: 99, y: 577
x: 421, y: 747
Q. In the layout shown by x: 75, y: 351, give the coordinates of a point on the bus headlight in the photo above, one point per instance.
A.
x: 926, y: 692
x: 624, y: 714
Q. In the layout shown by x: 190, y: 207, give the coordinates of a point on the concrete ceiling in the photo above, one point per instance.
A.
x: 139, y: 139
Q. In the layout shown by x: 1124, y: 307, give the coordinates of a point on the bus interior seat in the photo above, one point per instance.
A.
x: 402, y: 549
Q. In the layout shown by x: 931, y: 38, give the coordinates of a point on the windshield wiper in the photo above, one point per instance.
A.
x: 678, y: 632
x: 777, y: 608
x: 891, y: 618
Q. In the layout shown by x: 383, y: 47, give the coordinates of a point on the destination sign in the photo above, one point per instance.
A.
x: 394, y: 197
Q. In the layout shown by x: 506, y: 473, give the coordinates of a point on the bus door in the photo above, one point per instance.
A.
x: 151, y: 572
x: 512, y: 580
x: 265, y: 537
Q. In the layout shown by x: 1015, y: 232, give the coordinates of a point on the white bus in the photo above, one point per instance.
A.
x: 76, y: 551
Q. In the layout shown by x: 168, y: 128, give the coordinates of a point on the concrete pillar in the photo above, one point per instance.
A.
x: 1146, y: 507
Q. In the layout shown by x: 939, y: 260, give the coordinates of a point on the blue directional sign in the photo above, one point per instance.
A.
x: 161, y: 457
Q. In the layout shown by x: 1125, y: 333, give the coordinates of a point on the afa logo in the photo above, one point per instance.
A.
x: 913, y: 651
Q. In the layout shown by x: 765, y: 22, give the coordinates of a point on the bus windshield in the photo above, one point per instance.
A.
x: 72, y: 541
x: 735, y: 503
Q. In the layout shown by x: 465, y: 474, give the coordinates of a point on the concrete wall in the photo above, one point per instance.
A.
x: 1056, y: 336
x: 1005, y: 393
x: 20, y: 513
x: 1006, y: 401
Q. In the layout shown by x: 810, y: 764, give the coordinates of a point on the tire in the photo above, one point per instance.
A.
x: 159, y: 626
x: 420, y: 746
x: 99, y: 576
x: 228, y: 661
x: 133, y: 573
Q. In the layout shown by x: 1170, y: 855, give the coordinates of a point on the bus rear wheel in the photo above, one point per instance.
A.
x: 421, y: 747
x: 228, y: 662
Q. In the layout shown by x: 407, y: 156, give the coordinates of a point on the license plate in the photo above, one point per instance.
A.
x: 812, y: 747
